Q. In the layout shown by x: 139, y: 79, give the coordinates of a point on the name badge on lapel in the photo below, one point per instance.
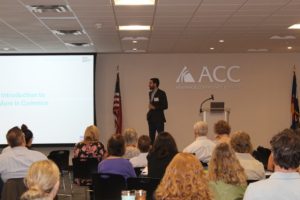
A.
x: 156, y: 99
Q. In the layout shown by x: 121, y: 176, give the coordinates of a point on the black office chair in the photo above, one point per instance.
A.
x: 83, y: 168
x: 61, y: 159
x: 138, y: 170
x: 108, y: 186
x: 143, y: 183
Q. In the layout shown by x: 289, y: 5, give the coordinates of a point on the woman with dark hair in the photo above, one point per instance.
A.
x: 161, y: 154
x: 114, y: 163
x: 28, y: 135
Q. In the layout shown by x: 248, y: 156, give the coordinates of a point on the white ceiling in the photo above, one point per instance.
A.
x: 178, y: 26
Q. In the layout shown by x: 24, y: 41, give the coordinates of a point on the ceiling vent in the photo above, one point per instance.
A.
x: 287, y: 37
x: 134, y: 38
x: 49, y: 8
x: 79, y: 44
x: 68, y: 32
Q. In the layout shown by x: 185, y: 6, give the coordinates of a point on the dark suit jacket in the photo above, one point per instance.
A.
x: 160, y: 103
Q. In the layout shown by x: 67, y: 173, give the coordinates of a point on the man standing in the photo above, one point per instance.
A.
x: 157, y: 104
x: 284, y: 183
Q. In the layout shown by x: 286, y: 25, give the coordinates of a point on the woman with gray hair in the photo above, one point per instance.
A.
x: 241, y: 144
x: 131, y: 138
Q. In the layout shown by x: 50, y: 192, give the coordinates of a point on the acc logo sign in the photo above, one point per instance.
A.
x: 186, y: 77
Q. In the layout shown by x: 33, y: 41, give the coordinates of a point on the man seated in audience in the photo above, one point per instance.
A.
x: 144, y: 144
x: 284, y: 183
x: 202, y: 147
x: 241, y: 144
x: 15, y: 162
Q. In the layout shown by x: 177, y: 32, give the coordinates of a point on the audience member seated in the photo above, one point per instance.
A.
x: 161, y: 154
x: 90, y: 147
x: 42, y: 181
x: 284, y: 183
x: 271, y: 165
x: 131, y: 139
x: 202, y: 147
x: 222, y: 131
x: 114, y: 163
x: 28, y: 138
x: 184, y: 179
x: 228, y: 180
x: 241, y: 144
x: 144, y: 144
x: 15, y: 162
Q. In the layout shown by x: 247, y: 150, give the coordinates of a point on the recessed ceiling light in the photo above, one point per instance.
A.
x: 5, y: 49
x: 258, y: 50
x: 295, y: 26
x: 134, y: 49
x: 134, y: 28
x: 134, y: 41
x: 289, y: 47
x: 135, y: 38
x: 221, y: 41
x: 134, y: 2
x: 211, y: 48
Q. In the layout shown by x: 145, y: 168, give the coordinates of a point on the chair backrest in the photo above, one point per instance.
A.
x: 138, y: 170
x: 108, y: 186
x: 83, y: 168
x: 13, y: 189
x: 143, y: 183
x: 61, y: 159
x: 262, y: 154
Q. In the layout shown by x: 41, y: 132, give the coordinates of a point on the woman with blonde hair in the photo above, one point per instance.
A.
x: 42, y: 181
x: 227, y: 177
x: 184, y: 179
x: 90, y: 147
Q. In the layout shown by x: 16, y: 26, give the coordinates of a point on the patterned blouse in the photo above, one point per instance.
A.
x: 91, y: 150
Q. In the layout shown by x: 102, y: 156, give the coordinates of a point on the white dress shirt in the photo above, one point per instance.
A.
x: 254, y: 169
x: 280, y: 186
x: 140, y: 160
x: 202, y: 147
x: 16, y: 162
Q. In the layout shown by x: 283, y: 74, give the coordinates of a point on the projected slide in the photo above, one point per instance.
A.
x: 52, y: 94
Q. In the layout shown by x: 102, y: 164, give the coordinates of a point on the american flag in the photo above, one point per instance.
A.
x: 294, y: 104
x: 117, y: 108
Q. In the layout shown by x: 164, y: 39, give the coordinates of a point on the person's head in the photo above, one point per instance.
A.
x: 286, y: 149
x: 222, y: 127
x: 28, y: 135
x: 200, y: 128
x: 116, y: 145
x: 184, y: 179
x: 144, y: 143
x: 15, y: 137
x: 164, y: 145
x: 42, y: 180
x: 153, y: 83
x: 241, y: 142
x: 91, y: 134
x: 224, y: 166
x: 130, y: 137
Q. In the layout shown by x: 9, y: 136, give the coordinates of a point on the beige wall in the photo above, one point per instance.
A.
x: 259, y: 103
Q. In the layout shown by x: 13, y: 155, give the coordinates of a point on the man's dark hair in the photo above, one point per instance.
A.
x: 144, y: 143
x: 116, y: 145
x: 15, y: 137
x: 164, y: 145
x: 286, y: 149
x: 155, y: 80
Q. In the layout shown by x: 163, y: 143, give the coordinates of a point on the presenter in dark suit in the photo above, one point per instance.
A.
x: 157, y: 104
